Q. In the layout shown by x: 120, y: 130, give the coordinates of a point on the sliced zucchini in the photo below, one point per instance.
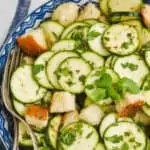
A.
x: 121, y: 39
x: 77, y: 136
x: 147, y: 57
x: 146, y: 83
x: 24, y: 88
x: 24, y: 137
x: 132, y: 67
x: 47, y: 99
x: 110, y: 119
x: 125, y: 134
x: 108, y: 61
x: 123, y: 16
x: 94, y: 38
x: 127, y: 5
x: 53, y: 27
x: 146, y: 109
x: 73, y: 28
x: 64, y: 45
x: 39, y: 70
x: 19, y: 107
x: 104, y: 7
x: 100, y: 146
x: 53, y: 64
x: 93, y: 59
x: 71, y: 74
x: 138, y: 26
x: 90, y: 21
x: 145, y: 36
x: 53, y: 130
x: 113, y: 61
x: 106, y: 122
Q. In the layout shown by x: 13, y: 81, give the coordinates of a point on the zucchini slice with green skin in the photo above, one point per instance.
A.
x: 24, y: 88
x: 123, y: 16
x: 53, y: 130
x: 121, y: 39
x: 93, y: 59
x: 53, y: 65
x: 146, y: 83
x: 138, y: 26
x: 53, y: 27
x: 64, y: 45
x: 19, y: 107
x: 72, y: 73
x: 106, y: 122
x: 104, y: 7
x: 110, y: 119
x: 91, y: 21
x: 95, y: 36
x: 132, y: 67
x: 113, y: 61
x: 24, y: 137
x: 100, y: 146
x: 145, y: 36
x: 125, y: 134
x: 77, y: 136
x: 146, y: 109
x: 127, y: 5
x: 71, y: 28
x: 108, y: 61
x: 39, y: 70
x: 147, y: 57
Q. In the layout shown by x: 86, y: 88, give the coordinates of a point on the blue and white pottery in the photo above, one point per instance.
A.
x: 28, y: 23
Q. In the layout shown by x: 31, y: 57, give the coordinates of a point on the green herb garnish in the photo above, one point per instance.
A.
x: 127, y: 85
x: 131, y: 66
x: 37, y: 68
x: 114, y: 139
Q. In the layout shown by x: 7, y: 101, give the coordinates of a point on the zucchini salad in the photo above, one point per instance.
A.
x: 84, y: 81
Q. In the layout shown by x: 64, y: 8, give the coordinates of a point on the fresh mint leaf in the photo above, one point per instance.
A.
x: 98, y: 94
x: 37, y: 68
x: 114, y: 139
x: 92, y: 35
x: 113, y: 94
x: 127, y: 85
x: 104, y: 81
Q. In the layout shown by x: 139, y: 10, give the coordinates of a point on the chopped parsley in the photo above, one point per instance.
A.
x: 37, y: 68
x: 115, y: 139
x: 89, y: 135
x: 131, y: 66
x: 68, y: 137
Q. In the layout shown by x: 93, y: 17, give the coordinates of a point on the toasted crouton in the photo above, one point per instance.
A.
x: 37, y: 116
x: 70, y: 117
x: 130, y: 105
x: 66, y: 13
x: 62, y: 102
x: 92, y: 114
x: 145, y: 12
x: 33, y: 43
x: 90, y: 11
